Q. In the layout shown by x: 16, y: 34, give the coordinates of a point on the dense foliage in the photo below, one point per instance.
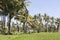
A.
x: 31, y: 24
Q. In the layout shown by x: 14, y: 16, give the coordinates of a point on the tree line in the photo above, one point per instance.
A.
x: 31, y: 24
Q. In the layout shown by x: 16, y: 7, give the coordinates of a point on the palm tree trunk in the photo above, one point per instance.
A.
x: 9, y: 21
x: 24, y: 27
x: 3, y: 21
x: 3, y: 24
x: 17, y: 28
x: 38, y: 30
x: 47, y: 26
x: 58, y: 27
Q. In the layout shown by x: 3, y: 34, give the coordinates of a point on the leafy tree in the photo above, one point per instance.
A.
x: 10, y: 8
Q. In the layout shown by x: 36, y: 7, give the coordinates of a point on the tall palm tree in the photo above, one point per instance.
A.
x: 58, y: 26
x: 52, y: 23
x: 40, y: 22
x: 46, y: 18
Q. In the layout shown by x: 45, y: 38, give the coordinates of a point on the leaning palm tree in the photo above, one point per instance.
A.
x: 32, y: 23
x: 23, y: 15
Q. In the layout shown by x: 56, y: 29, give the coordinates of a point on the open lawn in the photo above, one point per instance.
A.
x: 33, y: 36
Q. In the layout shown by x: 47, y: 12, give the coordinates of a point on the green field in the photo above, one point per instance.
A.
x: 33, y: 36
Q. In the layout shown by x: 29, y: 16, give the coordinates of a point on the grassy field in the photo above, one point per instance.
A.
x: 33, y: 36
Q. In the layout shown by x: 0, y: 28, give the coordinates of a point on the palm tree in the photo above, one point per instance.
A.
x: 40, y: 24
x: 35, y: 18
x: 52, y: 23
x: 17, y: 25
x: 22, y: 16
x: 25, y: 22
x: 46, y: 18
x: 58, y: 24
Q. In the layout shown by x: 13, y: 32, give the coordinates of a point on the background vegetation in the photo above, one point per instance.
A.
x: 37, y: 27
x: 30, y: 24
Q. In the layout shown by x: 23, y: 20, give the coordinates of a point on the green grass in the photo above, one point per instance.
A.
x: 33, y: 36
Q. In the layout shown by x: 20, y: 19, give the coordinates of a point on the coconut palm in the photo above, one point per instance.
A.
x: 46, y: 18
x: 40, y: 24
x: 58, y: 24
x: 23, y: 17
x: 52, y: 23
